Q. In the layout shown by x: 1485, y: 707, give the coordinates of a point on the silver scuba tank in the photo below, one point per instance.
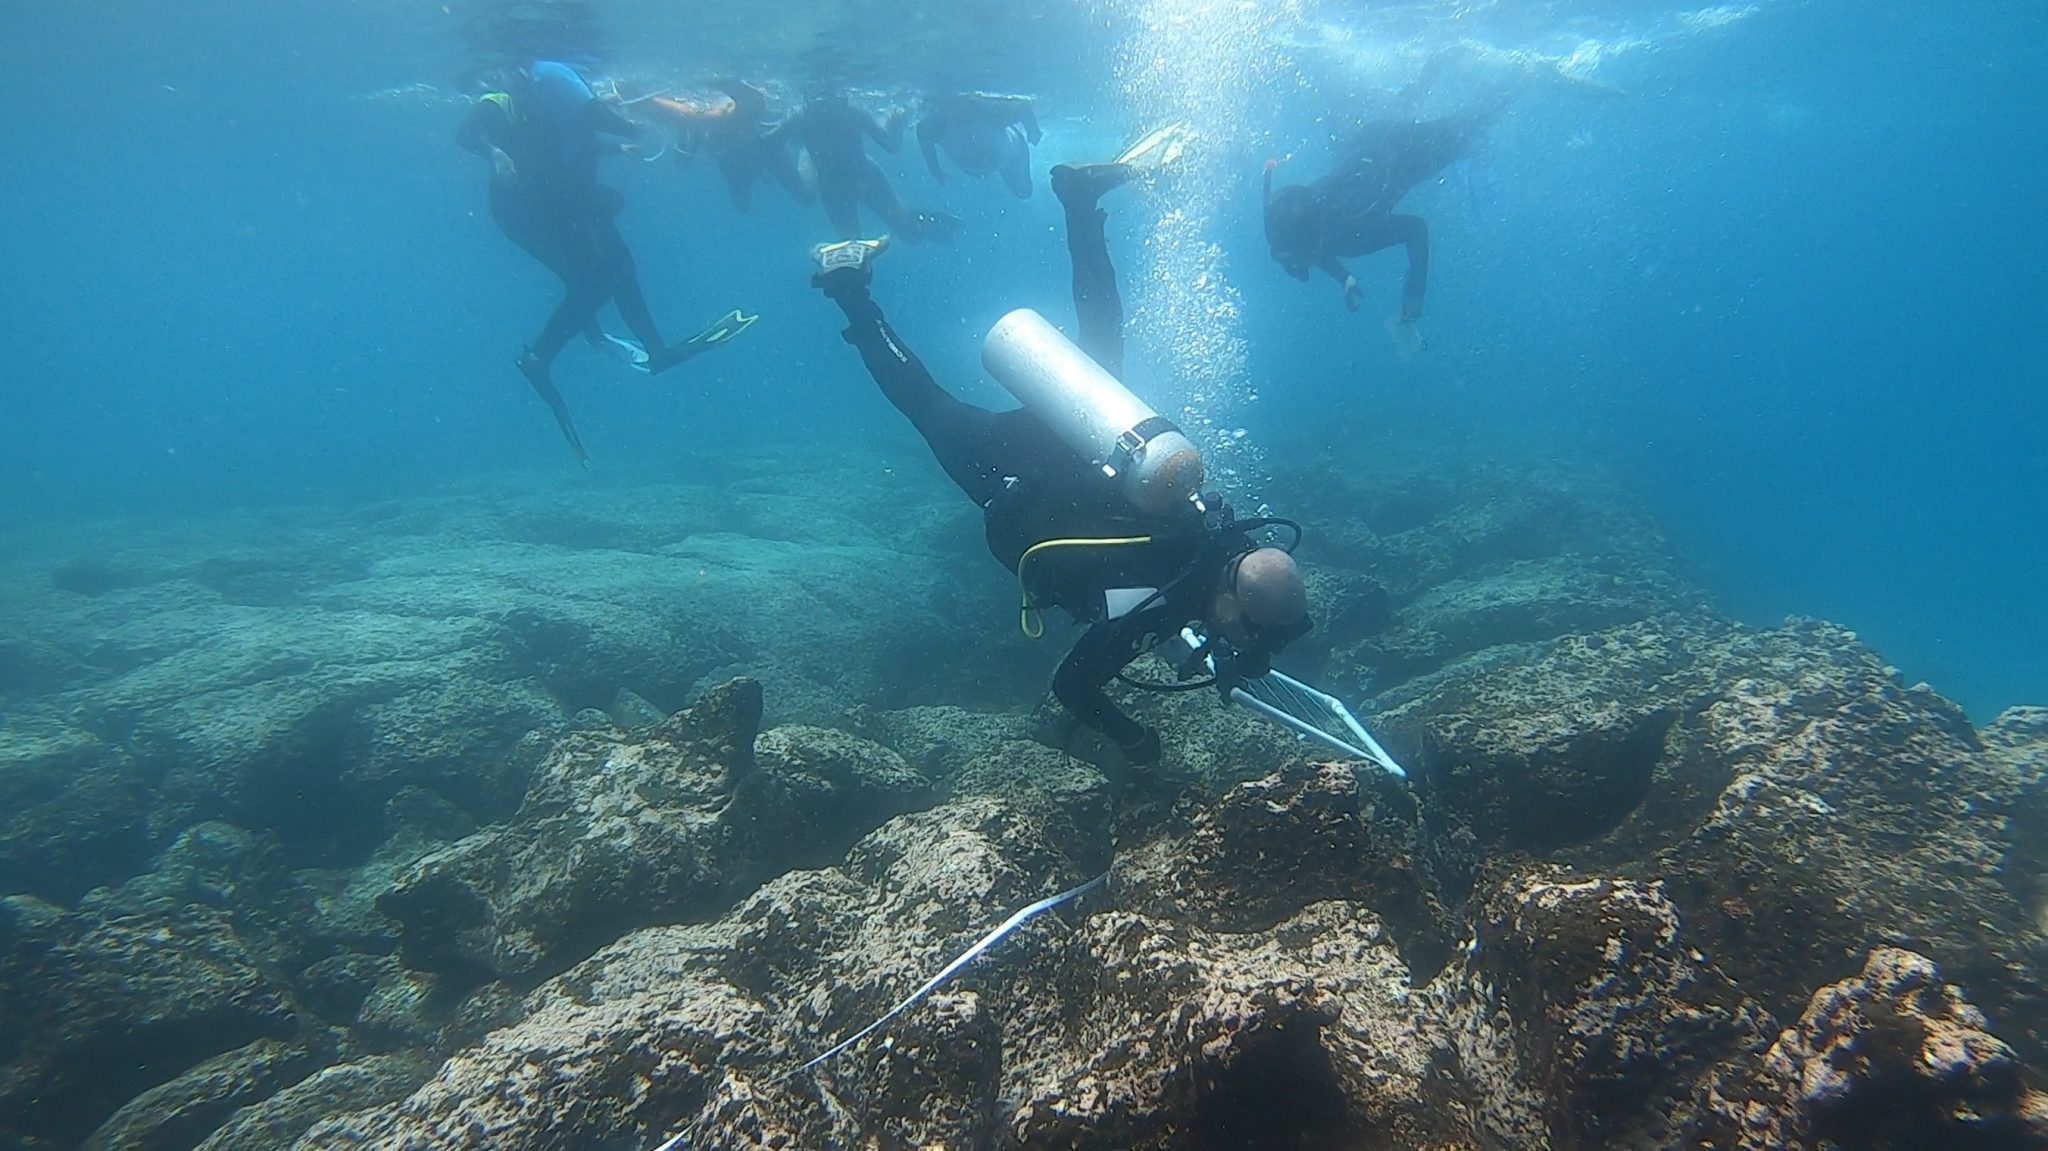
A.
x: 1154, y: 462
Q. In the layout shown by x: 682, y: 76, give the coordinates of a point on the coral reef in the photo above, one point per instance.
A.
x: 524, y: 817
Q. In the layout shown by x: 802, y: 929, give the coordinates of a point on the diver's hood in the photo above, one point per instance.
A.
x: 1286, y: 213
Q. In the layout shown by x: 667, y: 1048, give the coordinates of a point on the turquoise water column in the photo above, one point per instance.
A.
x: 1199, y: 63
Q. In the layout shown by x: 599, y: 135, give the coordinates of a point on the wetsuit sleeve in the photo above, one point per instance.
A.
x: 1028, y: 116
x: 928, y: 130
x: 1102, y: 651
x: 607, y: 121
x: 1333, y: 267
x: 482, y: 128
x: 884, y: 131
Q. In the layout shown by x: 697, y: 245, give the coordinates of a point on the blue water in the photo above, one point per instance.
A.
x: 1780, y: 264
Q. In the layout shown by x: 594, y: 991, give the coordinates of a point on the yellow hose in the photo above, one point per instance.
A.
x: 1030, y: 618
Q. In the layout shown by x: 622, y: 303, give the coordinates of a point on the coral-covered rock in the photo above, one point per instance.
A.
x: 617, y: 831
x: 641, y: 1035
x: 1799, y: 804
x: 185, y: 1110
x: 98, y: 1010
x: 73, y: 810
x: 1266, y: 849
x: 281, y: 1118
x: 1888, y: 1060
x: 1581, y: 1016
x: 839, y: 787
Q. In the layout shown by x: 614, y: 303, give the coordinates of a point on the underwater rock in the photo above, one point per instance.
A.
x: 617, y: 831
x: 1800, y: 805
x: 639, y: 1036
x: 1142, y: 1032
x: 1268, y: 848
x: 839, y: 787
x: 284, y: 1116
x: 1541, y: 748
x: 73, y: 811
x: 1122, y: 1030
x: 1518, y: 602
x: 98, y: 1010
x: 1842, y: 812
x: 940, y: 740
x: 1890, y: 1059
x: 240, y: 873
x: 175, y: 1115
x: 1582, y: 1017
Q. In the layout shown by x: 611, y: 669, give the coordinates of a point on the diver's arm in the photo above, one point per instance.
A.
x: 886, y: 129
x: 1028, y: 116
x: 481, y: 129
x: 606, y: 121
x: 750, y: 103
x: 928, y: 130
x: 1335, y: 269
x: 479, y: 135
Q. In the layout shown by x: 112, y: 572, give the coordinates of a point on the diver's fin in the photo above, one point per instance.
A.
x: 543, y: 382
x: 856, y: 254
x: 724, y: 328
x: 721, y: 330
x: 1158, y: 148
x: 1406, y: 333
x: 631, y: 351
x: 1081, y: 185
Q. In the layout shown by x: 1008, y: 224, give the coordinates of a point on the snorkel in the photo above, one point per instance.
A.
x: 1287, y: 220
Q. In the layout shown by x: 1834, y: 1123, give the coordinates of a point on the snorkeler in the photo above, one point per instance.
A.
x: 540, y: 131
x: 1121, y: 541
x: 739, y: 134
x: 1349, y: 211
x: 982, y: 133
x: 834, y: 133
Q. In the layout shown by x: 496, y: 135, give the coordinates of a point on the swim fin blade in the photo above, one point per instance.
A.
x: 1407, y: 336
x: 1158, y: 148
x: 721, y: 330
x: 724, y: 328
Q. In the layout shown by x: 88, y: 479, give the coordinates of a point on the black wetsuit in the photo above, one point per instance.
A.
x: 1349, y: 211
x: 835, y: 133
x: 1032, y: 487
x: 553, y: 207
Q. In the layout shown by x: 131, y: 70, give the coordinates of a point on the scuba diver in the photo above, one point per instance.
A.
x: 540, y: 130
x: 739, y: 134
x: 982, y: 133
x: 1349, y: 211
x: 1088, y: 494
x: 833, y: 132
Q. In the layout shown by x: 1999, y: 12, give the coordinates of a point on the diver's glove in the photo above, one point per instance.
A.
x: 1144, y: 751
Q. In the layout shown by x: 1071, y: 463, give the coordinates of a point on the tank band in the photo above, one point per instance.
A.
x: 1151, y: 429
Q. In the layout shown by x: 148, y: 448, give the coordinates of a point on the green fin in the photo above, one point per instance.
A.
x: 724, y: 328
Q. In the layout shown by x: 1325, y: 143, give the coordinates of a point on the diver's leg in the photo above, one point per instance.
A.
x: 739, y: 183
x: 962, y: 437
x: 1016, y: 164
x: 783, y: 165
x: 842, y: 207
x: 1413, y: 233
x: 880, y: 197
x: 1098, y: 306
x: 624, y: 276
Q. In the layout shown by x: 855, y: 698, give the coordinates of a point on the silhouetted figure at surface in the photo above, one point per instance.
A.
x: 981, y: 133
x: 835, y: 133
x: 1349, y: 211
